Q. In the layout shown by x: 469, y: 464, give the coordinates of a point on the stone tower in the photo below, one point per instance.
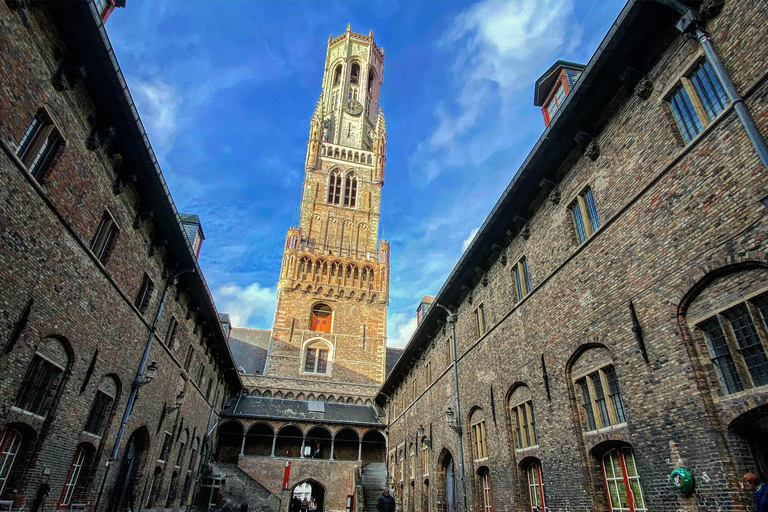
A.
x: 330, y: 323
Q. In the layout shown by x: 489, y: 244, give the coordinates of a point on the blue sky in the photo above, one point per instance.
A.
x: 226, y: 90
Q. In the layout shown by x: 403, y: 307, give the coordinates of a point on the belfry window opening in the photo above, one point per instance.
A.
x: 350, y: 190
x: 337, y: 76
x: 334, y: 188
x: 354, y: 76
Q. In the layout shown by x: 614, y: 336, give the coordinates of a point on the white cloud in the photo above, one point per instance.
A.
x: 250, y: 306
x: 159, y: 105
x: 469, y: 239
x: 400, y: 328
x: 500, y: 47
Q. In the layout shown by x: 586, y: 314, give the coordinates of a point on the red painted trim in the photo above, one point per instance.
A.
x: 541, y: 487
x: 605, y: 479
x: 630, y: 496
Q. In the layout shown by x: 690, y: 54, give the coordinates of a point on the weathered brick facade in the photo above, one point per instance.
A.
x: 680, y: 243
x: 73, y: 329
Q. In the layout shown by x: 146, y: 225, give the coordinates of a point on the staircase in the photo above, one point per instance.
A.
x: 373, y: 479
x: 241, y: 488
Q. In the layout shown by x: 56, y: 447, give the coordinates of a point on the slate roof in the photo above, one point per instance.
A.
x: 249, y: 348
x: 302, y: 410
x: 393, y: 354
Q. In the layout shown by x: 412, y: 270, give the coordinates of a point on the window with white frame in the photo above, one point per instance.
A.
x: 535, y: 487
x: 625, y: 493
x: 316, y: 358
x: 485, y: 480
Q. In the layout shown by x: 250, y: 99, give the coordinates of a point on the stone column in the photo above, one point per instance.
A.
x: 274, y: 442
x: 332, y: 446
x: 242, y: 445
x: 360, y: 450
x: 303, y: 442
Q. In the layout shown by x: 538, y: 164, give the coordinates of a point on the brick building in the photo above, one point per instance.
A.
x: 610, y: 316
x: 95, y: 262
x: 311, y: 380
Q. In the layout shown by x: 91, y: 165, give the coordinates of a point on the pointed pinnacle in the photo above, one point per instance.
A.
x: 349, y: 27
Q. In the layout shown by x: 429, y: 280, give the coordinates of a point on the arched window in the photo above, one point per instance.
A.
x: 354, y: 76
x: 43, y: 377
x: 10, y: 442
x: 337, y: 76
x: 334, y: 188
x: 535, y: 487
x: 479, y: 439
x: 305, y: 265
x: 485, y: 481
x: 352, y: 271
x: 371, y: 78
x: 79, y: 461
x: 521, y: 409
x: 321, y: 268
x: 336, y: 269
x: 622, y: 481
x: 316, y: 358
x: 597, y: 387
x: 321, y: 318
x: 350, y: 190
x: 367, y: 274
x: 101, y: 406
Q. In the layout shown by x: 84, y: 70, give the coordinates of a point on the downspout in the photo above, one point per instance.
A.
x: 451, y: 319
x: 137, y: 381
x: 692, y: 22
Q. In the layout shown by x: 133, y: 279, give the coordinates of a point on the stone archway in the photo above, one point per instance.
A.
x: 446, y: 488
x: 315, y: 489
x: 751, y: 428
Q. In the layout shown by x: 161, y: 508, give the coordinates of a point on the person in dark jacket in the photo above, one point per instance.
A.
x: 295, y: 504
x: 386, y: 502
x: 761, y: 491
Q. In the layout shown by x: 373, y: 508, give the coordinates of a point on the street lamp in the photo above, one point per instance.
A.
x: 149, y: 375
x: 421, y: 436
x: 179, y: 402
x: 450, y: 419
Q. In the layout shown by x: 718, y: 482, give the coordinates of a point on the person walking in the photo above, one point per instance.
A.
x: 761, y: 491
x: 312, y: 505
x: 386, y: 502
x: 295, y: 504
x: 304, y: 505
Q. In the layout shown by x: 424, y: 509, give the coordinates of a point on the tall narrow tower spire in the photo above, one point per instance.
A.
x: 333, y: 292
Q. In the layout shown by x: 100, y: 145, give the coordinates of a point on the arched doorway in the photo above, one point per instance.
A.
x: 752, y: 428
x: 124, y: 490
x: 374, y: 447
x: 447, y: 490
x: 310, y: 489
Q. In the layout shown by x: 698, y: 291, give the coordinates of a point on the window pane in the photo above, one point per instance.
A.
x: 309, y: 365
x: 527, y: 275
x: 518, y: 283
x: 578, y: 223
x: 682, y: 110
x: 518, y: 428
x: 587, y: 404
x: 322, y: 361
x: 600, y: 399
x: 749, y: 344
x: 532, y: 422
x: 594, y: 219
x: 614, y: 393
x: 721, y: 357
x: 709, y: 89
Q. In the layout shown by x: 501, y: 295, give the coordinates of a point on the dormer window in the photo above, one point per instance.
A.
x: 554, y: 86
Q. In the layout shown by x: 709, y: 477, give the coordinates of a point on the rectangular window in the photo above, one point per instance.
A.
x: 40, y: 384
x: 165, y: 450
x: 600, y: 410
x: 750, y: 347
x: 72, y: 477
x: 721, y: 357
x: 316, y: 361
x: 210, y: 387
x: 478, y: 435
x: 584, y: 215
x: 104, y: 240
x: 201, y: 375
x: 487, y: 500
x: 535, y: 487
x: 479, y: 316
x: 98, y: 415
x: 522, y: 278
x: 429, y: 374
x: 425, y: 460
x: 39, y: 146
x: 525, y: 429
x: 170, y: 334
x: 188, y: 359
x: 697, y: 101
x: 145, y: 294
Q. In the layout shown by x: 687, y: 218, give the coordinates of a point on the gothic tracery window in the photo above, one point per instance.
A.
x: 334, y: 188
x: 350, y: 190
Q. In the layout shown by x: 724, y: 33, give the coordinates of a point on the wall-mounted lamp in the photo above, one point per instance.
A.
x: 179, y: 402
x: 422, y: 437
x: 149, y: 375
x: 450, y: 419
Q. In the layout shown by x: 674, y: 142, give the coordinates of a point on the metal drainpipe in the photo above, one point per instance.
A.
x: 451, y: 319
x: 137, y: 381
x: 691, y: 21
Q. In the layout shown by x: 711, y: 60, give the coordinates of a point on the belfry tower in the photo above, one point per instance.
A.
x: 330, y: 326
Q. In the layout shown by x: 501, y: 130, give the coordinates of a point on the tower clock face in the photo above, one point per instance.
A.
x: 353, y: 107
